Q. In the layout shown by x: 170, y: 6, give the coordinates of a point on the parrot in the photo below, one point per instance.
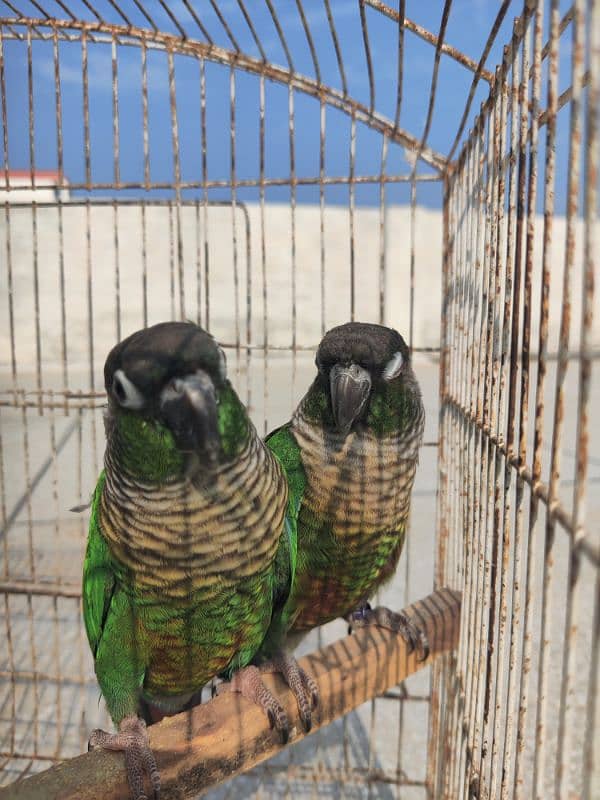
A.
x: 350, y: 453
x: 191, y: 545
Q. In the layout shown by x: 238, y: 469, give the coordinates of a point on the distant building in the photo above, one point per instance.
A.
x: 21, y: 190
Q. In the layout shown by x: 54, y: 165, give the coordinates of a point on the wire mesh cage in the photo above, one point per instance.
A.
x: 270, y: 170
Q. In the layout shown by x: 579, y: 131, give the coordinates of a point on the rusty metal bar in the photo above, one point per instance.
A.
x: 367, y: 49
x: 479, y: 74
x: 336, y: 44
x: 351, y: 215
x: 300, y: 180
x: 429, y: 37
x: 542, y: 755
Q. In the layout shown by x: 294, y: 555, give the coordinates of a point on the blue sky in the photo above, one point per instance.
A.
x: 467, y: 30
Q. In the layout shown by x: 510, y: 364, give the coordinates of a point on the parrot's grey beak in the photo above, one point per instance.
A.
x: 350, y: 388
x: 189, y: 408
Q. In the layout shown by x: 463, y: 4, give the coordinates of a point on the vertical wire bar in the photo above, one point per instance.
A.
x: 32, y: 571
x: 367, y: 48
x: 471, y: 435
x: 502, y: 11
x: 115, y: 111
x: 450, y: 310
x: 503, y: 739
x: 309, y: 39
x: 57, y: 714
x: 4, y: 112
x: 413, y: 227
x: 526, y: 685
x: 172, y: 281
x: 456, y: 461
x: 6, y: 571
x: 145, y: 127
x: 590, y: 245
x: 7, y: 219
x: 198, y: 22
x: 444, y: 358
x: 204, y: 149
x: 226, y: 27
x: 521, y: 40
x: 322, y: 131
x: 501, y: 522
x: 88, y: 233
x: 480, y: 612
x: 401, y: 15
x: 437, y: 720
x: 177, y: 174
x: 11, y: 665
x: 382, y: 228
x: 568, y: 718
x: 34, y: 223
x: 248, y: 308
x: 144, y: 264
x: 433, y: 82
x: 503, y: 472
x: 544, y: 675
x: 252, y: 29
x: 146, y: 150
x: 263, y: 245
x: 61, y: 243
x: 338, y: 51
x: 198, y: 265
x: 413, y: 201
x: 293, y: 194
x: 236, y: 277
x: 515, y: 659
x: 457, y: 770
x: 454, y: 715
x: 460, y: 723
x: 83, y: 735
x: 116, y: 181
x: 352, y: 204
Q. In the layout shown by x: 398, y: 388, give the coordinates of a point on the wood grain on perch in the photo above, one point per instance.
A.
x: 197, y: 750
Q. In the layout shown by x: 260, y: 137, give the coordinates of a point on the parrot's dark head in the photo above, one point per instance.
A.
x: 364, y: 373
x: 169, y: 395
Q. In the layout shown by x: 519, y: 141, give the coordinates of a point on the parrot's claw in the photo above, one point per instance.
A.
x: 249, y: 684
x: 132, y: 738
x: 303, y: 686
x: 415, y: 637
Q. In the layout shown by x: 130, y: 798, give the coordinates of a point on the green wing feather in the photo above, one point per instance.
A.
x: 109, y: 623
x: 282, y: 443
x: 98, y: 577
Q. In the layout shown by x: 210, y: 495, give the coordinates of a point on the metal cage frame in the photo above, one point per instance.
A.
x: 510, y: 538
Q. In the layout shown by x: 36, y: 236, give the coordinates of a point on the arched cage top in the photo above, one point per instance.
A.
x: 365, y: 59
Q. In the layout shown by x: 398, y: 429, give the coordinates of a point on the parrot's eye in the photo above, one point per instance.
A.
x: 393, y: 367
x: 127, y: 394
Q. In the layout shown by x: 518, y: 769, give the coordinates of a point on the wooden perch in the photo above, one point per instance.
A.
x: 197, y: 750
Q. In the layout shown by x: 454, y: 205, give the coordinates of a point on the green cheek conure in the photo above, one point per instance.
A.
x: 350, y: 453
x: 191, y: 551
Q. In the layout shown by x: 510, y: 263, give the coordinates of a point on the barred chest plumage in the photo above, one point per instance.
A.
x: 188, y: 534
x: 358, y: 485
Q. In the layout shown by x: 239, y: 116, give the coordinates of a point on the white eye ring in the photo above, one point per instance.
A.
x: 128, y: 395
x: 222, y: 364
x: 393, y: 367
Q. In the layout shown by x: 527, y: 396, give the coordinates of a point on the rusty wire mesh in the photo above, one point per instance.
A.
x: 252, y: 252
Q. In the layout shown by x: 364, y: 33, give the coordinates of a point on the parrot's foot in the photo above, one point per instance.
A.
x: 303, y: 686
x: 250, y: 685
x: 415, y: 637
x: 132, y: 738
